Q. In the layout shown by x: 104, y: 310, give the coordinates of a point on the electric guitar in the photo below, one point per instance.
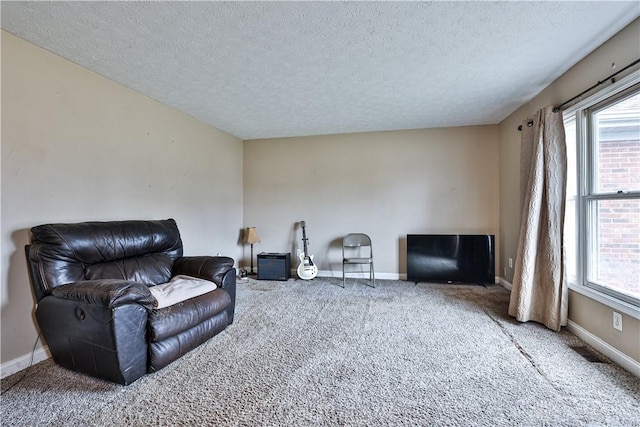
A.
x: 307, y: 270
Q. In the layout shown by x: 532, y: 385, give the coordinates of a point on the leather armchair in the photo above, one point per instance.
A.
x: 91, y: 282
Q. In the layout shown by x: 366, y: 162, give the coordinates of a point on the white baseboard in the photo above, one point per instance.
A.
x: 504, y: 283
x: 382, y: 276
x: 23, y: 362
x: 354, y: 275
x: 608, y: 350
x: 359, y: 275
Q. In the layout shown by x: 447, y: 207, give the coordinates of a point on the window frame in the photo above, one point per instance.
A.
x: 587, y: 194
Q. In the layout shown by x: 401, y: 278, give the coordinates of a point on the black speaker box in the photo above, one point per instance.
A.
x: 274, y: 266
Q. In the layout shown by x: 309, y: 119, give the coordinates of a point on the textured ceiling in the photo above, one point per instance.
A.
x: 275, y: 69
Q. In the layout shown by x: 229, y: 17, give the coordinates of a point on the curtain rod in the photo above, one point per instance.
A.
x: 611, y: 77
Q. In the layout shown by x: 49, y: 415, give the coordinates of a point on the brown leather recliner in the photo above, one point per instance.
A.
x: 91, y: 282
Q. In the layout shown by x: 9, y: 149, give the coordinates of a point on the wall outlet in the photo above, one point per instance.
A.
x: 510, y: 262
x: 298, y: 252
x: 617, y: 321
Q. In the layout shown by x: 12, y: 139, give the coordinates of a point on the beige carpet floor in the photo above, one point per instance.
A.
x: 309, y: 353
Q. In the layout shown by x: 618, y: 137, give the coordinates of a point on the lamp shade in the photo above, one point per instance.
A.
x: 251, y: 235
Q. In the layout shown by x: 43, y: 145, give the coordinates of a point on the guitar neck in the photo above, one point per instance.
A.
x: 304, y: 240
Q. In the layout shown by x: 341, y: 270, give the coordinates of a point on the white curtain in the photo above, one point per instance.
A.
x: 539, y: 285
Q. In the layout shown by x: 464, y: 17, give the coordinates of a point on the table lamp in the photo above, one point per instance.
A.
x: 251, y: 237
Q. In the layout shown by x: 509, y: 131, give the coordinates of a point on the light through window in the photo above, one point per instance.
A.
x: 602, y: 222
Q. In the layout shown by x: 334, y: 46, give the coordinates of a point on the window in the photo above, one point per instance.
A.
x: 602, y: 221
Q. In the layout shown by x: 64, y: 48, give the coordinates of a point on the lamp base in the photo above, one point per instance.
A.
x: 251, y: 273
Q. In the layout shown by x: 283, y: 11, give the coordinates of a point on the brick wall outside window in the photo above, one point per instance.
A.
x: 618, y: 240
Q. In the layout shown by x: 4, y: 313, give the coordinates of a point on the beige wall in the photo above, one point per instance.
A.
x: 385, y: 184
x: 622, y: 49
x: 76, y: 146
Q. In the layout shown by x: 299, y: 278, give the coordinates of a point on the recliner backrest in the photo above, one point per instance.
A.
x: 140, y: 251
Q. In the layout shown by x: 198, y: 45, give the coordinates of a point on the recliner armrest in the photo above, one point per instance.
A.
x: 107, y: 293
x: 211, y: 268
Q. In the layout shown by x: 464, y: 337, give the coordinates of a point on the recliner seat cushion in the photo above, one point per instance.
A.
x: 177, y: 318
x: 180, y: 288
